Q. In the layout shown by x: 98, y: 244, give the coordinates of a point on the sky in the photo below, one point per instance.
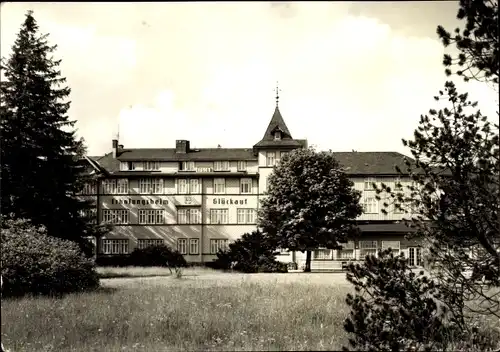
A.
x: 351, y: 75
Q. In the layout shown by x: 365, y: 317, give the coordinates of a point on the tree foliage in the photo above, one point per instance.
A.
x: 310, y: 203
x: 40, y: 169
x: 158, y: 255
x: 396, y: 309
x: 252, y: 253
x: 477, y: 43
x: 393, y: 308
x: 453, y: 201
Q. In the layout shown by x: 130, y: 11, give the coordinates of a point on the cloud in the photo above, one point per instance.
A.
x: 350, y: 79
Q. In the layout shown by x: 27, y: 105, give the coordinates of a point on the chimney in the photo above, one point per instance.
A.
x: 181, y: 146
x: 115, y: 147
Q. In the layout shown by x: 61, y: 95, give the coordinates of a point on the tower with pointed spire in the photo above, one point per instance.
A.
x: 276, y: 142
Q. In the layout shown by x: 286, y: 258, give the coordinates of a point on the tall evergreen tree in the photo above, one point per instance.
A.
x: 41, y: 173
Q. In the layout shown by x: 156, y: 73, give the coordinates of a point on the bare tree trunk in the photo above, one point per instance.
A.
x: 307, y: 269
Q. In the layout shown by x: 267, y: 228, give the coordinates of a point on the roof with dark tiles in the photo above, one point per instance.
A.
x: 194, y: 154
x: 355, y: 163
x: 371, y: 163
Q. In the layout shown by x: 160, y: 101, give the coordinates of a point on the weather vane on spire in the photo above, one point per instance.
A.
x: 277, y: 90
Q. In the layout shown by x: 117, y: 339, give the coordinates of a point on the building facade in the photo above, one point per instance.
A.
x: 198, y: 200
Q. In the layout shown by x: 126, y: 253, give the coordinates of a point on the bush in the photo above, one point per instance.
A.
x: 252, y: 253
x: 113, y: 260
x: 158, y: 255
x: 34, y: 263
x: 394, y: 309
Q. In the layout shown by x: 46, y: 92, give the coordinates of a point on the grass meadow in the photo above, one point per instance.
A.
x: 202, y: 310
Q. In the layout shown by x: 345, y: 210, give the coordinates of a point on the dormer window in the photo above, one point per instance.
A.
x: 277, y: 135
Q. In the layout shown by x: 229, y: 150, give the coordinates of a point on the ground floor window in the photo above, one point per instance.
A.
x: 322, y: 254
x: 143, y: 243
x: 182, y: 246
x: 347, y: 252
x: 395, y: 247
x: 215, y: 245
x: 414, y: 256
x: 194, y: 246
x: 367, y: 248
x: 115, y: 246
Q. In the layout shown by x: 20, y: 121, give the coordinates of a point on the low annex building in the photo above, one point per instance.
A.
x: 199, y: 199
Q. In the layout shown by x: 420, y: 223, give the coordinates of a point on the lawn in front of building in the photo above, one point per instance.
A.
x: 203, y: 310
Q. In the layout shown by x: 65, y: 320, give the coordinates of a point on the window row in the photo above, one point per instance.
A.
x: 156, y: 186
x: 399, y: 185
x: 185, y: 215
x: 371, y: 206
x: 185, y: 246
x: 222, y: 165
x: 365, y: 248
x: 193, y: 186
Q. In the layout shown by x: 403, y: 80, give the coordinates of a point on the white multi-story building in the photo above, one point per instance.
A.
x: 197, y: 200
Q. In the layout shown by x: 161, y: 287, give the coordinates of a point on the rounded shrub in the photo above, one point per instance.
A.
x: 252, y: 253
x: 34, y: 263
x: 158, y: 255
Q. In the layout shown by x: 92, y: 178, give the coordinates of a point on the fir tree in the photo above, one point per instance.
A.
x: 454, y: 200
x: 41, y: 172
x: 311, y: 203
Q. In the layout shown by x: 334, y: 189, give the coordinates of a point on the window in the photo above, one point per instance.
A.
x: 90, y: 214
x: 284, y: 153
x: 115, y: 186
x: 367, y: 248
x: 347, y: 252
x: 115, y: 246
x: 219, y: 185
x: 270, y: 158
x: 182, y: 245
x: 151, y: 185
x: 124, y: 166
x: 393, y: 245
x: 277, y: 135
x: 219, y: 216
x: 246, y: 216
x: 194, y: 247
x: 151, y: 165
x: 369, y: 184
x: 187, y: 166
x: 144, y: 243
x: 370, y: 205
x: 242, y: 165
x: 194, y: 185
x: 151, y: 216
x: 89, y: 188
x: 221, y: 165
x: 188, y: 216
x: 246, y: 186
x: 115, y: 216
x: 215, y: 245
x: 323, y: 254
